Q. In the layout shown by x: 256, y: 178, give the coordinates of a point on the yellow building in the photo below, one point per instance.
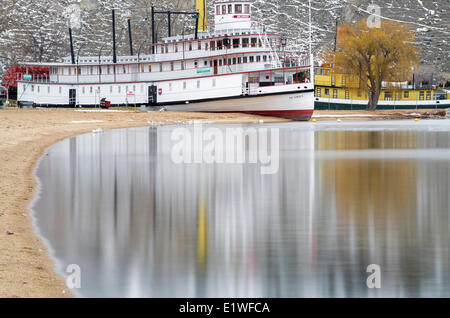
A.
x: 335, y: 91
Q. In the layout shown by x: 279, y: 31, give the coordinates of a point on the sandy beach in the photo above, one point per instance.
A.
x: 26, y: 270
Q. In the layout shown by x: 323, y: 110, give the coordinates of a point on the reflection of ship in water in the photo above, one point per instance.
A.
x: 140, y: 225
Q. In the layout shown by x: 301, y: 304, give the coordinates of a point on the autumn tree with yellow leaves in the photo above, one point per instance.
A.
x: 374, y: 55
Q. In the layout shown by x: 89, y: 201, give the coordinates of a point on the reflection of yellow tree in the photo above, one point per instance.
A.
x: 386, y: 187
x: 383, y: 187
x: 362, y: 140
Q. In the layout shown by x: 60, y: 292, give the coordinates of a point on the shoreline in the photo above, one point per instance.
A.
x: 26, y: 266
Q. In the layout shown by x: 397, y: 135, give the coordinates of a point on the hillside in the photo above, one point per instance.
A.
x: 37, y: 30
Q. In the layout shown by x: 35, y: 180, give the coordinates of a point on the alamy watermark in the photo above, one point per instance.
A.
x: 374, y: 19
x: 73, y: 280
x: 227, y: 146
x: 374, y: 279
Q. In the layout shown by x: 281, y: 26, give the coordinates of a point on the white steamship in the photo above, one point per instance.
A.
x: 231, y: 66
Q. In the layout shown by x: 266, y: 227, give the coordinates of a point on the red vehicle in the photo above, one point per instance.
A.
x: 105, y: 103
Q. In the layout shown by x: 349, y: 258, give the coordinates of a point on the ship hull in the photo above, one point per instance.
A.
x: 297, y: 106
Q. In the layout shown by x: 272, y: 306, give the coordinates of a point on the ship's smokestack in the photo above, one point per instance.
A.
x: 130, y: 36
x: 114, y: 35
x: 72, y: 54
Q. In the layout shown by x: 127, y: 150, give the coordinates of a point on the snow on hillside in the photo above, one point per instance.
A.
x: 37, y: 30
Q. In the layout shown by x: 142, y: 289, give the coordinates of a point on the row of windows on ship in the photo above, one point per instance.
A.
x: 49, y: 89
x: 215, y: 45
x: 159, y: 67
x: 230, y: 9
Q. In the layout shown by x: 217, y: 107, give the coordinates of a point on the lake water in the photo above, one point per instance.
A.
x: 346, y: 195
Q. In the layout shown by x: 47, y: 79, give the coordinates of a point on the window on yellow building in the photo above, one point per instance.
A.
x: 428, y: 95
x: 359, y: 93
x: 405, y: 94
x: 318, y: 92
x: 421, y: 95
x: 327, y: 91
x: 335, y: 93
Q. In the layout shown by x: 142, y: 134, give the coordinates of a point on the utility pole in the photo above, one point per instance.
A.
x: 336, y: 35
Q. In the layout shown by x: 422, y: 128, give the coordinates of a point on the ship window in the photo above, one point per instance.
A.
x: 48, y: 89
x: 236, y: 43
x: 110, y: 89
x: 206, y: 63
x: 142, y: 68
x: 170, y: 87
x: 253, y: 42
x: 245, y: 59
x: 252, y: 59
x: 171, y: 66
x: 149, y: 68
x: 239, y: 60
x: 124, y: 69
x: 219, y: 45
x: 167, y: 48
x: 176, y: 48
x: 184, y: 85
x: 238, y: 8
x: 83, y: 90
x: 199, y: 45
x: 406, y: 94
x: 245, y: 42
x: 134, y: 88
x: 126, y: 89
x: 217, y: 9
x: 38, y: 89
x: 224, y: 9
x: 258, y: 58
x: 109, y: 70
x: 230, y: 8
x: 198, y: 84
x: 190, y: 46
x: 91, y: 89
x: 214, y: 82
x: 206, y: 46
x: 229, y: 61
x: 246, y: 8
x: 91, y: 70
x: 182, y: 66
x: 160, y: 67
x: 220, y: 62
x: 213, y: 45
x: 60, y: 90
x: 265, y: 58
x: 118, y: 89
x: 196, y: 64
